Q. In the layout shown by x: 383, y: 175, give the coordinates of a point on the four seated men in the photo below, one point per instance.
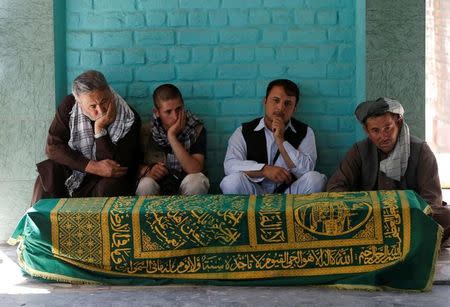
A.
x: 94, y: 149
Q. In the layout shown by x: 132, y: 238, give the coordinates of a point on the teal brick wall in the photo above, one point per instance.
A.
x: 222, y: 54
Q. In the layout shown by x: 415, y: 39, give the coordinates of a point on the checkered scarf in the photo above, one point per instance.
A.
x: 394, y: 166
x: 82, y: 134
x: 187, y: 137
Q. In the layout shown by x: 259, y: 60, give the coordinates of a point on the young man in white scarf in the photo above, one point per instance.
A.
x: 391, y: 159
x: 92, y: 144
x: 174, y: 148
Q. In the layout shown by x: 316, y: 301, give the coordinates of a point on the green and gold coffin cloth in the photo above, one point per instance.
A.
x: 365, y: 240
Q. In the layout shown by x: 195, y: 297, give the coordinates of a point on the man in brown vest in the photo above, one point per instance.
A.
x: 391, y: 159
x: 275, y: 153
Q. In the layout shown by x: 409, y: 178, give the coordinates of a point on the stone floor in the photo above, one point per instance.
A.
x: 19, y: 290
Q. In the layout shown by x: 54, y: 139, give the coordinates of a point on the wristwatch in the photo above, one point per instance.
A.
x: 102, y: 132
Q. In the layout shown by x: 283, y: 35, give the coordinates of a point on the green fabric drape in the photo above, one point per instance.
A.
x: 368, y: 240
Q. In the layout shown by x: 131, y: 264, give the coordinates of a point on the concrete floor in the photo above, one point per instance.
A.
x: 19, y: 290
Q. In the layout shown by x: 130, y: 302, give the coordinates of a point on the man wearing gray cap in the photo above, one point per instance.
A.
x: 391, y: 159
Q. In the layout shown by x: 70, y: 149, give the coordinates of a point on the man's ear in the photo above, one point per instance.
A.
x: 400, y: 121
x: 156, y: 112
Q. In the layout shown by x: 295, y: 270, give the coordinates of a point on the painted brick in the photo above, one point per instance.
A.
x: 346, y: 53
x: 156, y: 55
x: 346, y: 17
x: 307, y: 70
x: 196, y: 71
x: 238, y: 17
x: 306, y: 54
x: 226, y: 124
x: 222, y: 55
x: 202, y: 90
x: 112, y: 57
x: 112, y: 39
x: 341, y: 35
x: 149, y: 5
x: 197, y: 18
x: 90, y: 58
x: 212, y: 139
x: 347, y: 124
x: 328, y: 157
x: 272, y: 70
x: 154, y: 37
x: 328, y: 123
x: 186, y: 89
x: 90, y: 21
x: 223, y: 89
x: 73, y: 22
x: 287, y: 53
x: 179, y: 54
x: 230, y: 4
x: 327, y: 53
x: 78, y: 5
x: 218, y: 18
x: 272, y: 36
x: 245, y: 89
x: 197, y: 37
x: 114, y: 21
x: 201, y: 54
x: 239, y: 106
x: 210, y: 123
x: 327, y: 17
x: 244, y: 54
x: 309, y: 88
x: 339, y: 106
x: 78, y: 39
x: 304, y: 17
x: 284, y: 3
x: 346, y: 88
x: 242, y: 36
x: 281, y: 17
x: 340, y: 71
x: 259, y: 17
x: 135, y: 21
x: 323, y: 3
x: 118, y: 74
x: 176, y: 18
x: 341, y: 140
x: 114, y: 5
x: 307, y: 36
x: 237, y: 71
x: 204, y: 107
x: 313, y: 105
x: 73, y: 58
x: 138, y: 90
x: 329, y: 87
x: 156, y: 18
x: 161, y: 72
x: 134, y: 56
x: 199, y: 4
x: 264, y: 53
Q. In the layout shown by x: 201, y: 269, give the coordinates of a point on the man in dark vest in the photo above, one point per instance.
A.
x: 275, y: 153
x: 391, y: 159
